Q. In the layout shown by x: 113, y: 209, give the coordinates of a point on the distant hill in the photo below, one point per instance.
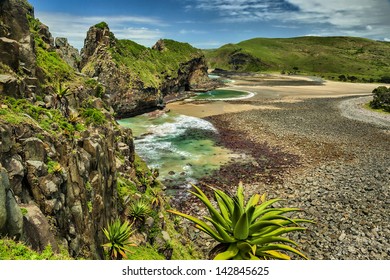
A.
x: 340, y: 58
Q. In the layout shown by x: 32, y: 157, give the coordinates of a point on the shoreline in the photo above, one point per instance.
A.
x: 268, y: 97
x: 335, y: 168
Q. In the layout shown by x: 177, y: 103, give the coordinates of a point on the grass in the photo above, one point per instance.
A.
x: 144, y: 252
x: 14, y: 250
x: 93, y: 116
x: 324, y: 56
x: 381, y: 111
x: 21, y: 111
x: 149, y: 65
x: 54, y: 67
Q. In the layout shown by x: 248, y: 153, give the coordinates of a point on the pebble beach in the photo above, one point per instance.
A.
x: 314, y: 145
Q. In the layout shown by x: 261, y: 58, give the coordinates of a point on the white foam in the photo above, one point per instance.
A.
x: 250, y: 94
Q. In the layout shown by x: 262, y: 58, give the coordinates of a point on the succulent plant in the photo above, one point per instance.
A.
x: 252, y: 231
x: 118, y: 235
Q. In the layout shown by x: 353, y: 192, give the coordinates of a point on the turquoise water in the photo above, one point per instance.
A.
x: 181, y: 147
x: 222, y: 94
x: 212, y: 76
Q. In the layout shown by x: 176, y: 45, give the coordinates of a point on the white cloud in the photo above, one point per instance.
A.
x: 361, y: 17
x: 207, y: 44
x: 143, y: 36
x: 75, y: 27
x: 192, y: 31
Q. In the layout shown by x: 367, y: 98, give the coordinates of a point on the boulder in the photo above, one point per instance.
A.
x: 4, y: 186
x: 16, y: 172
x: 34, y: 149
x: 37, y: 229
x: 14, y: 226
x: 5, y: 137
x: 9, y: 53
x: 9, y: 86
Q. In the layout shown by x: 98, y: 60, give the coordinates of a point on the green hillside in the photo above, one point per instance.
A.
x: 153, y: 65
x: 330, y: 57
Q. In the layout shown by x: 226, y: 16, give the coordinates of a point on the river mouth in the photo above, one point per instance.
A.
x: 182, y: 148
x: 222, y: 94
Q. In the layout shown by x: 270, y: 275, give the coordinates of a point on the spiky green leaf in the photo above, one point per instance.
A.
x: 241, y: 230
x: 230, y: 253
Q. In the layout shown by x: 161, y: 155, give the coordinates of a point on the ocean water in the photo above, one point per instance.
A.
x: 181, y: 147
x: 222, y: 94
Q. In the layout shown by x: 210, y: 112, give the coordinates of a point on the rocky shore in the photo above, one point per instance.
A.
x: 335, y: 168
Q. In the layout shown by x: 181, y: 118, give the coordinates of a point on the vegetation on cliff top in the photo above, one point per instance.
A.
x: 53, y: 66
x: 153, y: 66
x: 326, y: 56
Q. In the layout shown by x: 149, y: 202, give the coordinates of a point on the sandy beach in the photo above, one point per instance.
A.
x: 269, y: 92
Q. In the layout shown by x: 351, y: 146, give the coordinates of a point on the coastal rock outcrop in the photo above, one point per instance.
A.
x: 137, y: 78
x: 16, y: 44
x: 67, y: 52
x: 67, y: 169
x: 58, y: 172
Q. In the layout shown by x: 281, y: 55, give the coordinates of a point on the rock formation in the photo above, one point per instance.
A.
x: 63, y: 157
x: 68, y: 53
x: 56, y: 187
x: 131, y: 93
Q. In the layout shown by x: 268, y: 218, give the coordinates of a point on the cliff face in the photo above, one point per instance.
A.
x: 138, y: 78
x: 60, y: 148
x: 67, y: 169
x: 16, y: 49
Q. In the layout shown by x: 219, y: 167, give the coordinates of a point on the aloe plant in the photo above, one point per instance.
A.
x: 250, y: 231
x: 118, y: 235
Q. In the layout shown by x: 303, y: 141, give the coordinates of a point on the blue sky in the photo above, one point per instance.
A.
x: 212, y: 23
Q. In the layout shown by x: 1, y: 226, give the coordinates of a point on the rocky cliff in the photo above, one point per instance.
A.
x: 60, y: 148
x: 67, y: 169
x: 138, y: 78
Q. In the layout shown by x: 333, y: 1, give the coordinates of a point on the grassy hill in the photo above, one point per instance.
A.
x: 330, y: 57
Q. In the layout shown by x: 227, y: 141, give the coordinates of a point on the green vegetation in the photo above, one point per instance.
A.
x: 53, y: 166
x: 138, y: 210
x: 13, y: 250
x: 247, y: 232
x: 93, y: 116
x: 48, y: 60
x: 118, y: 235
x: 152, y: 66
x: 51, y: 120
x: 146, y: 252
x: 101, y: 25
x: 381, y: 99
x: 360, y: 59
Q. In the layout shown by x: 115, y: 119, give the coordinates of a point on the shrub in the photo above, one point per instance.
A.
x: 252, y: 231
x: 94, y: 116
x: 139, y: 210
x: 118, y: 235
x: 101, y: 25
x: 381, y: 98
